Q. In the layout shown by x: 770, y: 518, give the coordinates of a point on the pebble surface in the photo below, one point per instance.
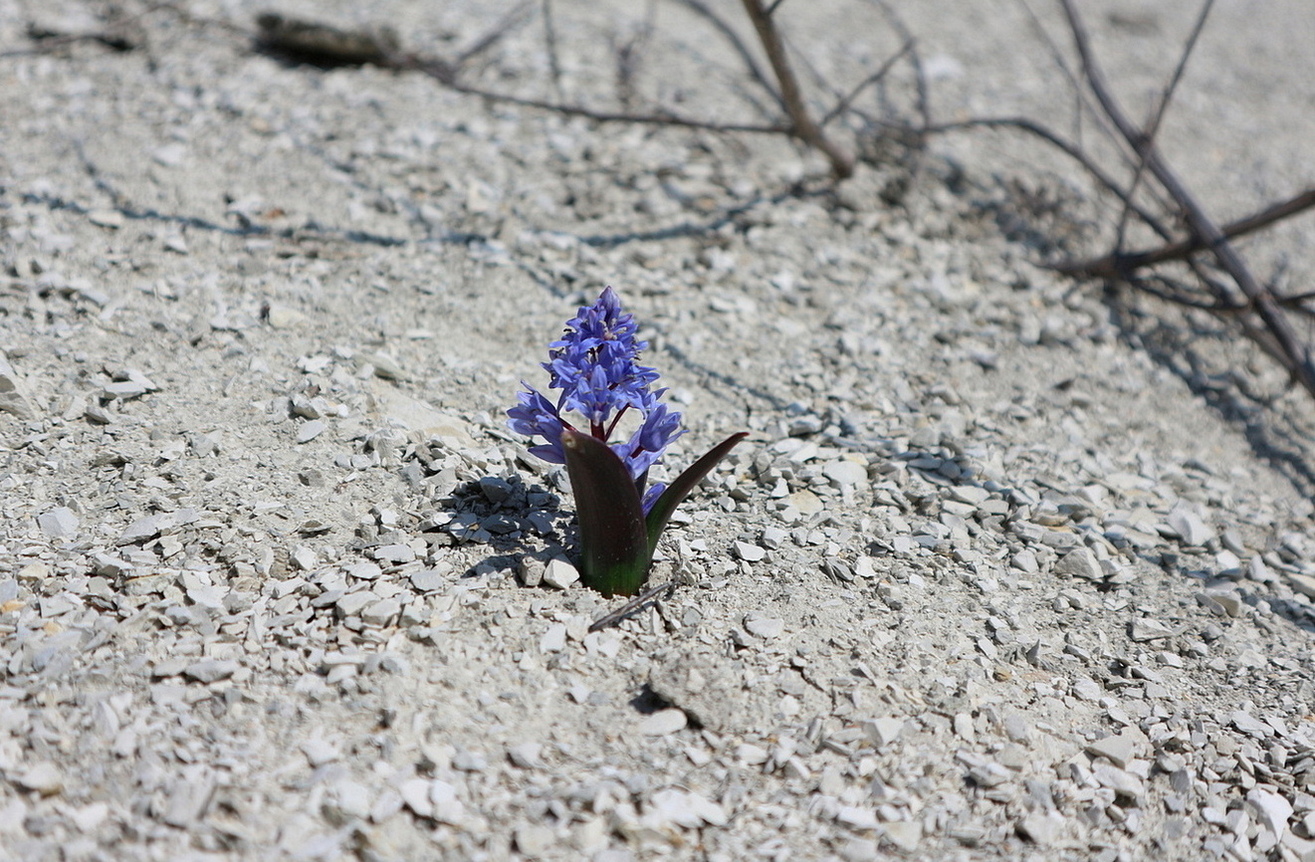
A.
x: 986, y: 582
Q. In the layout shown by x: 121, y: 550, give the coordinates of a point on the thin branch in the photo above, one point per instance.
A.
x: 922, y: 102
x: 843, y: 105
x: 737, y: 44
x: 1153, y: 127
x: 550, y: 42
x: 496, y: 33
x: 663, y: 119
x: 1115, y: 264
x: 1068, y: 148
x: 802, y: 125
x: 633, y: 606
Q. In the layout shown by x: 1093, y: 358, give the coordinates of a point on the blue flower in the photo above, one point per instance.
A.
x: 595, y: 365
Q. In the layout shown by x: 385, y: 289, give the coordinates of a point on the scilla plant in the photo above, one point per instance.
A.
x: 596, y: 366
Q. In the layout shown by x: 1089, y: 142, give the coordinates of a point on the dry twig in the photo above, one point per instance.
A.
x: 802, y: 125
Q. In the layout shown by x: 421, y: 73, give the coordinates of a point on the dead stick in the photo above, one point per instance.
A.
x: 1153, y: 127
x: 1116, y: 265
x: 802, y: 125
x: 631, y: 606
x: 728, y: 33
x: 612, y: 116
x: 1296, y: 359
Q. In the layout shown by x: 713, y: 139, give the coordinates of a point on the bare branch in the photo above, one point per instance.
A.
x: 1296, y: 358
x: 550, y: 42
x: 655, y: 119
x: 728, y: 33
x: 496, y: 33
x: 1116, y: 265
x: 843, y: 105
x: 1153, y: 127
x: 1068, y: 148
x: 802, y: 125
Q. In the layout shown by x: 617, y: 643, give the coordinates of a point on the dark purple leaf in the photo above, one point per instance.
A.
x: 614, y: 544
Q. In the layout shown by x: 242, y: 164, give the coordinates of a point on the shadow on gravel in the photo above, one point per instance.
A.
x: 1271, y: 435
x: 513, y: 519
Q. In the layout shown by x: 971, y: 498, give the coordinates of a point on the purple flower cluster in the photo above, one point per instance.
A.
x: 595, y: 365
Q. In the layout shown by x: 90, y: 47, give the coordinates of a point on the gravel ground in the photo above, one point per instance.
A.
x: 1006, y: 569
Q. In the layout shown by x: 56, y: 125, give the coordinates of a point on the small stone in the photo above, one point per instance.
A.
x: 526, y: 755
x: 308, y: 431
x: 1304, y: 584
x: 381, y: 613
x: 13, y: 396
x: 1272, y: 810
x: 495, y: 489
x: 352, y: 604
x: 1122, y: 782
x: 44, y: 778
x: 554, y: 639
x: 1119, y: 750
x: 384, y: 365
x: 904, y: 834
x: 427, y: 580
x: 169, y: 155
x: 352, y: 799
x: 58, y: 523
x: 1144, y: 629
x: 763, y: 626
x: 845, y: 472
x: 1187, y: 525
x: 663, y: 722
x: 186, y: 802
x: 802, y: 426
x: 395, y: 554
x: 560, y: 574
x: 857, y: 817
x: 282, y: 317
x: 747, y: 552
x: 97, y: 414
x: 534, y: 841
x: 1086, y: 688
x: 144, y: 529
x: 1080, y: 563
x: 531, y: 571
x: 211, y: 670
x: 135, y: 386
x: 112, y: 219
x: 469, y: 761
x: 806, y: 502
x: 415, y: 794
x: 319, y: 752
x: 860, y: 850
x: 883, y: 731
x: 363, y: 571
x: 447, y: 807
x: 89, y: 817
x: 1244, y: 722
x: 1042, y: 828
x: 1229, y: 602
x: 686, y: 808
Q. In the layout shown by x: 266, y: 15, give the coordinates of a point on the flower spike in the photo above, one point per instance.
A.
x: 595, y: 365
